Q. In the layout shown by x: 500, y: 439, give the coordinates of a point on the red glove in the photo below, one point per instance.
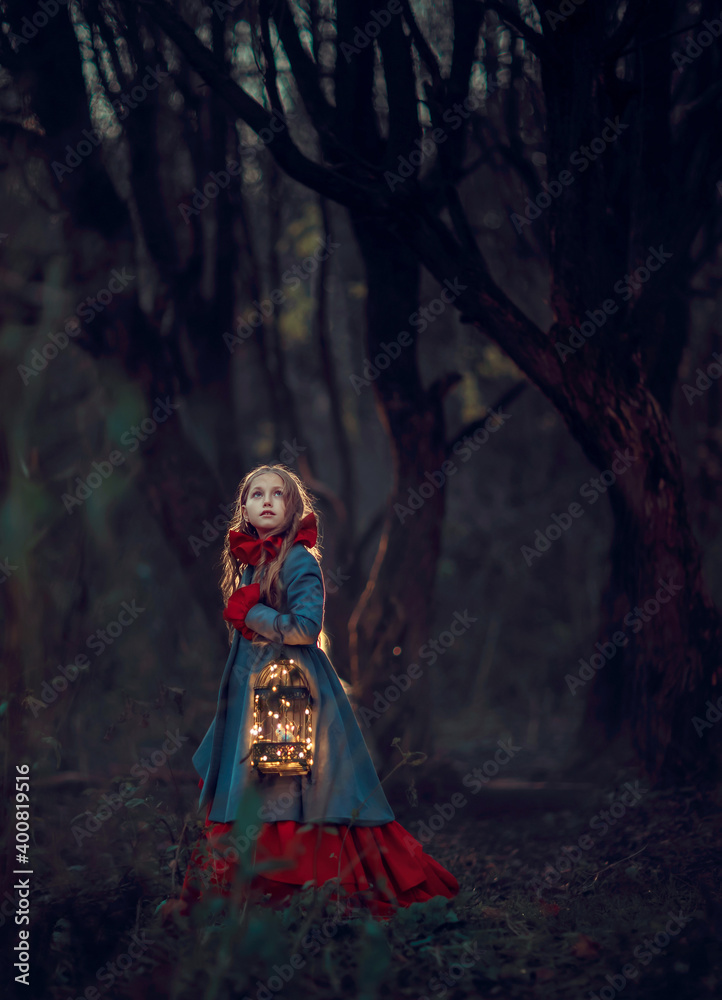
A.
x: 239, y: 604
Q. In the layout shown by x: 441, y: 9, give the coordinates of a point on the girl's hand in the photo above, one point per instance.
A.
x: 239, y: 604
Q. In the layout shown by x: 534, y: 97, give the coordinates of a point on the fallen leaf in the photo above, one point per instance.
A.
x: 542, y: 975
x: 585, y: 947
x: 548, y: 909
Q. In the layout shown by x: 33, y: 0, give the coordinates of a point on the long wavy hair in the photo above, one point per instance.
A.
x: 267, y: 574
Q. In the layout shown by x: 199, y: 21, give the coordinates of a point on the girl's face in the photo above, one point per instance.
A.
x: 265, y: 507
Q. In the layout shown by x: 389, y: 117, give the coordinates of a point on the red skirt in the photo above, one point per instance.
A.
x: 382, y: 867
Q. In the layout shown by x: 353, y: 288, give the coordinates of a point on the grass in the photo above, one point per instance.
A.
x: 501, y: 937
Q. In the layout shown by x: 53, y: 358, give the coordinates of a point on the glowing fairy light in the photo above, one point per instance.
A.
x: 281, y: 737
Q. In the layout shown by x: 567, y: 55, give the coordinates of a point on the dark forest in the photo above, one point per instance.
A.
x: 457, y: 266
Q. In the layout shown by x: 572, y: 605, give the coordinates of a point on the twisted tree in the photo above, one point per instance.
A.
x: 632, y: 156
x: 591, y: 127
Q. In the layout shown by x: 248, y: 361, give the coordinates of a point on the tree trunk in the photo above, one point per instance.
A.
x: 672, y: 666
x: 396, y: 607
x: 658, y: 681
x: 661, y: 677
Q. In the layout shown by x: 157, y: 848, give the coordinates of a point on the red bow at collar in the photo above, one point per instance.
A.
x: 248, y: 549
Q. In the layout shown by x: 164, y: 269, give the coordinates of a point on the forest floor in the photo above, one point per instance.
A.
x: 567, y: 885
x: 624, y: 862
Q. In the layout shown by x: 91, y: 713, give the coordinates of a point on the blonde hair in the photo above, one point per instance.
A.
x: 298, y: 504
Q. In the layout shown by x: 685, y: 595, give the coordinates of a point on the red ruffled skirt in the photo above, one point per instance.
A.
x: 382, y: 867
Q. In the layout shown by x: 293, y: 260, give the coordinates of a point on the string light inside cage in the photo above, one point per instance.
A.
x: 282, y: 732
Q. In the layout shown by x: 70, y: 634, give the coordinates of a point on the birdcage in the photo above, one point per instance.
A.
x: 282, y: 733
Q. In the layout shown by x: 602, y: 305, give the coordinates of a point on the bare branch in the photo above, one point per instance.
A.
x: 271, y: 74
x: 404, y: 126
x: 305, y: 70
x: 205, y: 63
x: 422, y: 46
x: 506, y: 399
x: 636, y: 9
x: 538, y: 44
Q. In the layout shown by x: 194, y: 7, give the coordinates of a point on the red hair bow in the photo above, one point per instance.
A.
x: 248, y: 549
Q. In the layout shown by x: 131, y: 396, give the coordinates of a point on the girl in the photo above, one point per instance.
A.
x: 274, y: 594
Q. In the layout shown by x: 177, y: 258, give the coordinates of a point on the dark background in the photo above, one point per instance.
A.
x: 111, y: 178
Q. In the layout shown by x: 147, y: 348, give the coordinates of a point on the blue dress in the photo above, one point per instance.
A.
x: 343, y: 777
